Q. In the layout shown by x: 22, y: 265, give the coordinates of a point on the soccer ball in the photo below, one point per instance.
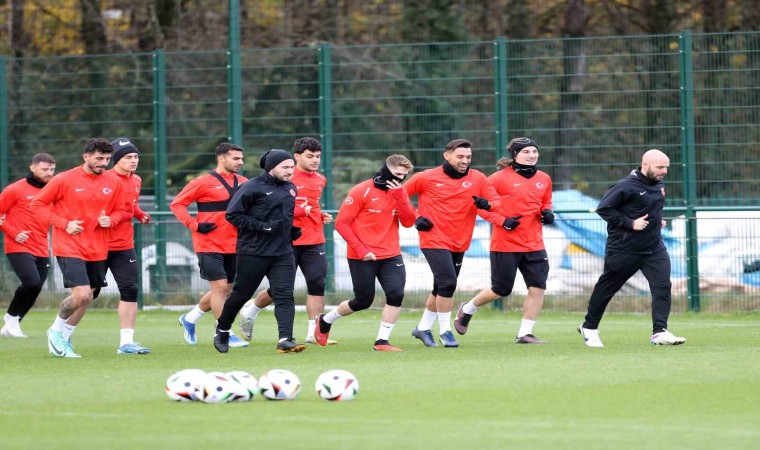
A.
x: 247, y: 385
x: 218, y: 388
x: 186, y: 385
x: 337, y: 385
x: 279, y: 384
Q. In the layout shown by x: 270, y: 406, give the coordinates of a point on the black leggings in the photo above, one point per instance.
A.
x: 32, y: 271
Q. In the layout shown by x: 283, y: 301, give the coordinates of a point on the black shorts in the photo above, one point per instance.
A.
x: 217, y: 266
x: 78, y: 272
x: 123, y: 266
x: 390, y: 272
x: 445, y: 266
x: 313, y: 263
x: 31, y: 270
x: 534, y: 267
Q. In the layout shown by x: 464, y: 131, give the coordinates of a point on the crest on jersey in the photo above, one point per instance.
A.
x: 466, y: 184
x: 663, y: 191
x: 539, y: 185
x: 293, y: 192
x: 107, y: 190
x: 349, y: 200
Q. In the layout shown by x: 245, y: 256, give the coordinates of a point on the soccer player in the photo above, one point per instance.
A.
x: 213, y: 237
x: 309, y: 249
x: 122, y: 258
x: 632, y: 208
x: 262, y: 211
x: 81, y: 204
x: 26, y: 240
x: 517, y: 238
x: 368, y: 220
x: 448, y: 199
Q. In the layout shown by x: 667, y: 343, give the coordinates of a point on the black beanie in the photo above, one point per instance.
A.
x: 122, y: 146
x: 273, y: 158
x: 519, y: 144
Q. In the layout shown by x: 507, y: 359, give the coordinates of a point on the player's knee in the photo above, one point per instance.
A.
x: 316, y: 286
x: 359, y: 304
x: 446, y: 288
x: 394, y: 298
x: 501, y: 291
x: 128, y: 293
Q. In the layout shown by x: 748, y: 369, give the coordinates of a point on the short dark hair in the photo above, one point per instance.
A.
x: 43, y: 157
x: 101, y: 145
x: 307, y: 143
x: 456, y: 143
x: 226, y: 147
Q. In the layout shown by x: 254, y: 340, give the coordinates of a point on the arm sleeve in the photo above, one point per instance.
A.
x: 493, y: 215
x: 406, y: 213
x: 182, y: 201
x: 488, y: 191
x: 546, y: 203
x: 41, y: 205
x: 608, y: 207
x: 8, y: 198
x: 237, y: 211
x: 120, y: 211
x: 346, y: 216
x: 138, y: 212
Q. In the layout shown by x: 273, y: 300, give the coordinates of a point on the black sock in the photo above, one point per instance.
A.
x: 324, y: 327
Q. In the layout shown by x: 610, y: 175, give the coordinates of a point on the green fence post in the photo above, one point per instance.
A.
x: 501, y: 108
x: 324, y: 56
x: 688, y: 158
x: 159, y: 167
x: 4, y: 139
x: 234, y: 77
x: 138, y: 231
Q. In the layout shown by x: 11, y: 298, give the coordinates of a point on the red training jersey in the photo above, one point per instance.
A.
x: 368, y: 220
x: 122, y: 235
x: 448, y: 203
x: 309, y: 186
x: 208, y: 189
x: 14, y: 203
x: 78, y: 195
x: 522, y: 196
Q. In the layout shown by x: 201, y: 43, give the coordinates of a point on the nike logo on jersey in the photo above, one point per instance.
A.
x: 375, y: 198
x: 517, y: 184
x: 132, y: 260
x: 269, y: 192
x: 642, y: 193
x: 219, y: 187
x: 439, y: 184
x: 321, y: 253
x: 29, y: 197
x: 79, y: 189
x: 300, y: 187
x: 267, y: 229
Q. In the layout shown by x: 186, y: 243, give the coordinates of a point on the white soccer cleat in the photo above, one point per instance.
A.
x: 10, y: 331
x: 665, y: 337
x: 591, y: 337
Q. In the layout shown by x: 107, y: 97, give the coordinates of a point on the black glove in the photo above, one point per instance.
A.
x: 547, y: 217
x: 481, y: 203
x: 510, y: 223
x: 206, y: 227
x: 423, y: 224
x: 295, y: 233
x: 270, y: 227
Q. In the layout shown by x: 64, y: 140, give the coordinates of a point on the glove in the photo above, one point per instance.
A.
x: 295, y: 233
x: 423, y: 224
x: 481, y: 203
x: 547, y: 217
x: 270, y: 227
x: 143, y: 218
x: 510, y: 223
x: 206, y: 227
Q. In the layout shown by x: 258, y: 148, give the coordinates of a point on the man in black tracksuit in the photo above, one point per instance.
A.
x: 632, y: 208
x: 262, y: 211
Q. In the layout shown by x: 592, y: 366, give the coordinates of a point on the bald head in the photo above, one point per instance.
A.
x: 654, y: 164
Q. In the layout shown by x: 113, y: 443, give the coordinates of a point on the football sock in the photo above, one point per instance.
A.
x: 195, y: 314
x: 332, y: 316
x: 58, y: 324
x: 310, y: 329
x: 470, y: 308
x: 428, y: 318
x: 384, y: 333
x: 526, y: 327
x: 68, y: 330
x: 127, y: 336
x: 444, y: 321
x: 251, y: 311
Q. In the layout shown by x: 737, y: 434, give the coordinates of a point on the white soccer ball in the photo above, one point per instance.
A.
x: 247, y: 385
x: 279, y: 384
x: 337, y: 385
x: 218, y: 388
x: 186, y: 385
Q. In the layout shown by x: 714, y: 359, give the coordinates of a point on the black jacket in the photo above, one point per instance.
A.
x: 627, y: 200
x: 262, y: 211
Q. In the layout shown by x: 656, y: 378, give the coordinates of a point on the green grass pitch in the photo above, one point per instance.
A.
x: 490, y: 393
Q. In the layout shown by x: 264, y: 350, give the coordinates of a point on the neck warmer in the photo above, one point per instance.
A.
x: 524, y: 169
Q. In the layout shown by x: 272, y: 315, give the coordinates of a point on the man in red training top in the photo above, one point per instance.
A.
x: 81, y: 204
x: 309, y: 249
x: 517, y: 240
x: 214, y: 239
x: 26, y: 240
x: 449, y: 197
x: 368, y: 220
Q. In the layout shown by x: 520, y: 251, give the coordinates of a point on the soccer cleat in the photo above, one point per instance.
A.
x: 462, y: 320
x: 133, y: 348
x: 310, y: 340
x: 11, y: 331
x: 665, y: 337
x: 447, y: 339
x: 591, y: 337
x: 321, y: 336
x: 189, y: 330
x: 290, y: 346
x: 56, y: 343
x: 221, y: 340
x: 246, y: 327
x: 382, y: 345
x: 236, y: 342
x: 528, y: 339
x: 425, y: 336
x: 70, y: 351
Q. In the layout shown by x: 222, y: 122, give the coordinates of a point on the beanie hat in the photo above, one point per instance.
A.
x: 273, y: 158
x: 518, y: 144
x: 122, y: 146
